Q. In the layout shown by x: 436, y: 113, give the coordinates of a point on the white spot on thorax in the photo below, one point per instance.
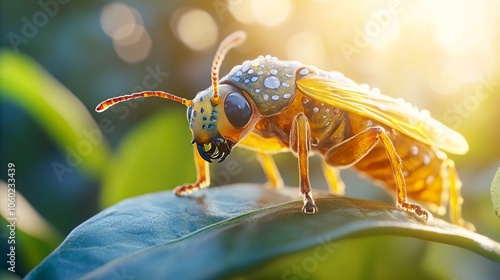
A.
x: 271, y: 82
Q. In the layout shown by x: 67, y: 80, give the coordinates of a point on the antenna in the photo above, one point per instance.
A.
x: 230, y: 42
x: 112, y: 101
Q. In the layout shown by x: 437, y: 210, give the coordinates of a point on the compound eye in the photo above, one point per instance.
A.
x: 189, y: 112
x: 237, y: 109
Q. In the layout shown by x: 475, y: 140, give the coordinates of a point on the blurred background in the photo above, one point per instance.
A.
x: 60, y: 58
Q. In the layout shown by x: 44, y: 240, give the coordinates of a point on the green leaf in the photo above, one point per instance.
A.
x: 155, y: 156
x: 66, y: 120
x: 222, y: 232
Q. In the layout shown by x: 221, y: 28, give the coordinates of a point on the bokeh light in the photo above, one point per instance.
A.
x: 270, y: 13
x: 306, y: 47
x: 465, y: 35
x: 124, y: 25
x: 197, y: 29
x: 267, y: 13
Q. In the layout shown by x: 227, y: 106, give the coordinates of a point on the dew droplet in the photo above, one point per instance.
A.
x: 287, y: 95
x: 265, y: 96
x: 304, y: 72
x: 273, y: 71
x: 285, y: 84
x: 275, y: 97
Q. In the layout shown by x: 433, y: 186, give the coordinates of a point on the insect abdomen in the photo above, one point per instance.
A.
x: 422, y: 166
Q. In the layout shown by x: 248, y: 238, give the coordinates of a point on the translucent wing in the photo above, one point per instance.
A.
x: 392, y: 112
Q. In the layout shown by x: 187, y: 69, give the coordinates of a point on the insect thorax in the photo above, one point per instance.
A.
x: 269, y: 82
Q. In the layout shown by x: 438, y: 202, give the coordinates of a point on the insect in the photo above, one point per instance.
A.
x: 272, y: 106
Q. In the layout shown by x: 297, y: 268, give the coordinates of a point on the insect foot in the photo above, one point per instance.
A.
x: 186, y: 189
x: 416, y: 209
x: 309, y: 205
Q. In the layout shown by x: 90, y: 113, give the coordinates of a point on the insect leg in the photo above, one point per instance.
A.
x: 272, y: 173
x: 355, y: 148
x: 332, y: 176
x: 456, y: 199
x: 300, y: 142
x: 203, y: 176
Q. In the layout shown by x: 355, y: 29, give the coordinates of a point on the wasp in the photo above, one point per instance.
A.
x: 271, y: 106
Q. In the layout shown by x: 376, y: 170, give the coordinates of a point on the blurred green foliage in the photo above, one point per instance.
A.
x: 440, y: 56
x: 56, y: 110
x: 130, y: 172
